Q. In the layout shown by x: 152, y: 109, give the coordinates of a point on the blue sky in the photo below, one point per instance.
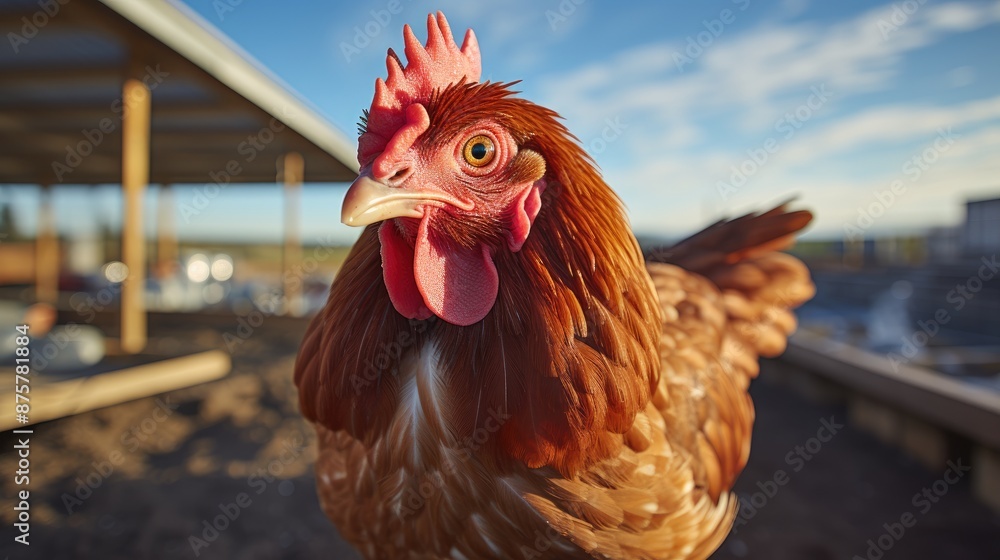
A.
x: 833, y: 100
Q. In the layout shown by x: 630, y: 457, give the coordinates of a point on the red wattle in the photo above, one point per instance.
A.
x: 397, y: 271
x: 458, y: 284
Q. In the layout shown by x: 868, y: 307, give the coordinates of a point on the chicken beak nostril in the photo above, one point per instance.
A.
x: 399, y: 176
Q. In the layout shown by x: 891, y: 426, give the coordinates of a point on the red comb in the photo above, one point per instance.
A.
x: 434, y: 66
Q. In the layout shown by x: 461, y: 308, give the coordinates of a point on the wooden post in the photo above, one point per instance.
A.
x: 135, y: 176
x: 292, y: 169
x: 46, y: 251
x: 166, y: 236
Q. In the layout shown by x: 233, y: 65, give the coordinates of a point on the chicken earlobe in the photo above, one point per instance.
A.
x: 526, y: 209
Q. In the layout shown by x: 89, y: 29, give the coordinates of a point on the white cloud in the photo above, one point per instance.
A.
x: 962, y: 76
x: 744, y: 81
x: 768, y: 62
x: 899, y: 123
x: 794, y: 8
x: 968, y: 169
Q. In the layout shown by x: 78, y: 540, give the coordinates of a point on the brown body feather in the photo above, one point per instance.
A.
x: 599, y: 409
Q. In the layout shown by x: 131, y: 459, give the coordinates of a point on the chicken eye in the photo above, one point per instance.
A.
x: 478, y: 150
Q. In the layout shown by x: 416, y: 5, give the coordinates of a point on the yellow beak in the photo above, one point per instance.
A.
x: 369, y: 200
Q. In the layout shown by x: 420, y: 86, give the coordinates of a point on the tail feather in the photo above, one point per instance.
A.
x: 759, y: 284
x: 730, y: 241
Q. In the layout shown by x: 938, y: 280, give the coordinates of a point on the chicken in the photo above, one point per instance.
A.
x: 498, y: 371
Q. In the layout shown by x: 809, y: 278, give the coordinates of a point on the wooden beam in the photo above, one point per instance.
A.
x: 190, y: 138
x: 96, y: 111
x: 71, y: 16
x: 135, y: 176
x: 60, y: 398
x: 938, y: 399
x: 19, y: 20
x: 292, y: 170
x: 46, y: 252
x: 46, y: 73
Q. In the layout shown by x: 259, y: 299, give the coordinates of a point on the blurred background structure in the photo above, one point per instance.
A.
x: 169, y: 219
x: 78, y: 109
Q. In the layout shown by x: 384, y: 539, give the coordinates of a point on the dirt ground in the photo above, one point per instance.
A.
x: 142, y: 479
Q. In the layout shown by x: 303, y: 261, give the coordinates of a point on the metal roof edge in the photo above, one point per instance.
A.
x: 187, y: 33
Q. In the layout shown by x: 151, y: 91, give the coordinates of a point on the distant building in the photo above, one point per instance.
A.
x: 981, y: 233
x: 944, y: 243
